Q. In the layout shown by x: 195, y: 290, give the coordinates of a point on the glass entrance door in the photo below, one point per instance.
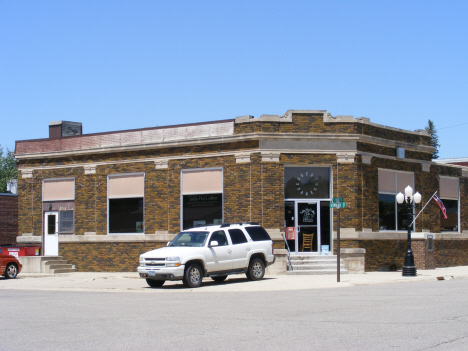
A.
x: 307, y: 226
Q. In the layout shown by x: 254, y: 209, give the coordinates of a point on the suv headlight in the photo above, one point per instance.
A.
x: 142, y: 261
x: 172, y: 261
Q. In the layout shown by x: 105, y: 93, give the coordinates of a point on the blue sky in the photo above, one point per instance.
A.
x: 115, y: 65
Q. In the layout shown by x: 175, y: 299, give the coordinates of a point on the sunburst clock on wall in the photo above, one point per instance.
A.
x: 306, y: 183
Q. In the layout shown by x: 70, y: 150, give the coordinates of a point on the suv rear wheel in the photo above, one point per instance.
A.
x: 193, y: 276
x: 256, y: 269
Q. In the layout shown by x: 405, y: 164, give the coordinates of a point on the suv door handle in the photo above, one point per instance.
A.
x: 229, y: 251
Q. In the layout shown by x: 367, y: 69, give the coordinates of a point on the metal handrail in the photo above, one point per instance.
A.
x: 289, y: 266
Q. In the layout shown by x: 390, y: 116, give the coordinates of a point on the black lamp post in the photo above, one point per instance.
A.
x: 409, y: 269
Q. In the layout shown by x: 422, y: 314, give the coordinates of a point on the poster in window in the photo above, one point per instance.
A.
x: 139, y: 227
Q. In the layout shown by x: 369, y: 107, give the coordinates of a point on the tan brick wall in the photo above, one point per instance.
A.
x: 8, y: 219
x: 378, y: 252
x: 392, y: 253
x: 450, y: 253
x: 423, y: 258
x: 105, y: 257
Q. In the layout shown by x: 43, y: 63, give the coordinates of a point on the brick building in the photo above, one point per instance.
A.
x: 111, y: 196
x: 8, y: 219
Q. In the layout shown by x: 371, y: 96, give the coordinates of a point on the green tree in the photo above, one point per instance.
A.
x: 430, y: 128
x: 7, y: 168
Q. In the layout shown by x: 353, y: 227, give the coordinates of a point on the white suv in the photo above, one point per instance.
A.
x: 213, y: 251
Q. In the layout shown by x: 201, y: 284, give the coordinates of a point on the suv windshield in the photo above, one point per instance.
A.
x: 189, y: 239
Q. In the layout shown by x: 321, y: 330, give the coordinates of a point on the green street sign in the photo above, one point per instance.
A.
x: 337, y: 199
x: 337, y: 204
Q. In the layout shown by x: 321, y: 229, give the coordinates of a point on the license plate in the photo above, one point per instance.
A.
x: 151, y: 273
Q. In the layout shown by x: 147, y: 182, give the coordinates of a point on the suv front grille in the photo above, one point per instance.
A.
x: 155, y: 262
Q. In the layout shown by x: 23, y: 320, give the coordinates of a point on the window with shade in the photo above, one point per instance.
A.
x: 202, y: 197
x: 126, y: 203
x: 58, y: 195
x: 448, y: 193
x: 392, y: 215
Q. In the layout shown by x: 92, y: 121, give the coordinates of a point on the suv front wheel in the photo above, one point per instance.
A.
x: 256, y: 269
x: 193, y: 276
x: 155, y: 283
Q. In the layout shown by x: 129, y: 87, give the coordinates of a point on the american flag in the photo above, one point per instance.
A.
x: 441, y: 206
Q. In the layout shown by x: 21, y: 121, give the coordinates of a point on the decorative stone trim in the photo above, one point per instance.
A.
x: 120, y: 238
x: 270, y: 156
x: 366, y: 159
x: 426, y: 167
x: 242, y: 158
x: 354, y: 260
x: 26, y: 173
x: 465, y: 173
x: 274, y: 233
x: 90, y: 169
x: 343, y: 157
x: 29, y: 239
x: 161, y: 163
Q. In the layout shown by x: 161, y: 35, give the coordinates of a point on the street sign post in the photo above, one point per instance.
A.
x: 338, y: 203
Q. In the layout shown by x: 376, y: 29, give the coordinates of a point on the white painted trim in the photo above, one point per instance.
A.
x: 29, y: 170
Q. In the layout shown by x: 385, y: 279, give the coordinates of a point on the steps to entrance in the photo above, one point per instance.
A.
x: 56, y: 264
x: 315, y: 265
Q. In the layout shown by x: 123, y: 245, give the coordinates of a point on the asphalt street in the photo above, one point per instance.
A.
x: 425, y: 314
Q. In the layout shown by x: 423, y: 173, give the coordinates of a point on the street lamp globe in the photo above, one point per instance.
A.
x: 409, y: 192
x: 400, y: 198
x: 417, y: 197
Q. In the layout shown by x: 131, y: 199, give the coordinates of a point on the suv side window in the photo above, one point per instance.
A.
x: 237, y: 236
x: 220, y: 237
x: 257, y: 233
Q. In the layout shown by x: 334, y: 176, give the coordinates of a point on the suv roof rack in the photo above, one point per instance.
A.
x: 224, y: 225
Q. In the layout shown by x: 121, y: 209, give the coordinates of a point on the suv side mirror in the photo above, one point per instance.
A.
x: 214, y: 243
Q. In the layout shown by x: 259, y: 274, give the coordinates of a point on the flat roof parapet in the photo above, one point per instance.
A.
x: 264, y: 118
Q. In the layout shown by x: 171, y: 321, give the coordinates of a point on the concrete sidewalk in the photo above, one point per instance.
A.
x: 131, y: 282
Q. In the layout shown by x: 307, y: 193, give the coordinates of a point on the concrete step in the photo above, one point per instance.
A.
x: 61, y: 266
x: 315, y: 265
x: 312, y: 261
x: 316, y: 272
x: 313, y: 257
x: 51, y: 258
x: 49, y: 263
x: 63, y: 270
x: 56, y: 264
